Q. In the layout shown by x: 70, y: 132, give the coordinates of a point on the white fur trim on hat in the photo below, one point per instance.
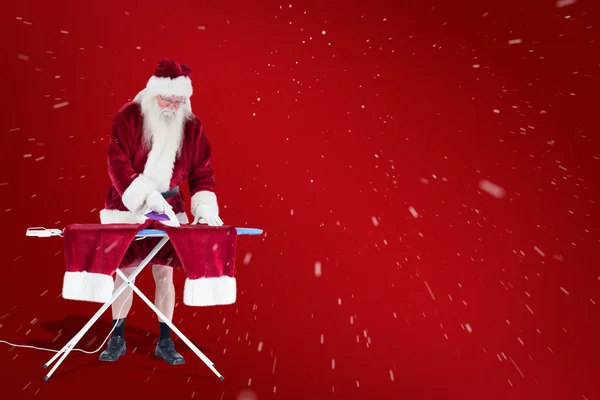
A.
x: 180, y: 86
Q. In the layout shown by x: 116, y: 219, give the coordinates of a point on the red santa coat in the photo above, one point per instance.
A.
x: 133, y: 178
x: 135, y: 172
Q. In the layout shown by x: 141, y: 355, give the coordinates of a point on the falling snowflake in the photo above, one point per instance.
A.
x: 318, y: 271
x: 529, y: 308
x: 414, y: 212
x: 110, y: 247
x: 429, y: 289
x: 60, y: 105
x: 564, y: 3
x: 491, y: 188
x: 247, y: 394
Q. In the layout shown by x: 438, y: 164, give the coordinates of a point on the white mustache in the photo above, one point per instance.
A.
x: 168, y: 115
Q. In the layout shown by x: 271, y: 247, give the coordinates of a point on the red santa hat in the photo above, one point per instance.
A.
x: 170, y: 79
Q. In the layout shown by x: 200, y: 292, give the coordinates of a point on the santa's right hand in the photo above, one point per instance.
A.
x: 155, y: 202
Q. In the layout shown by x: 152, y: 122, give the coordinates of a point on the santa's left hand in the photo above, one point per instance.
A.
x: 207, y: 215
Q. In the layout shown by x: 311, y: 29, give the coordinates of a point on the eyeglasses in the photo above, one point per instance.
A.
x: 173, y: 102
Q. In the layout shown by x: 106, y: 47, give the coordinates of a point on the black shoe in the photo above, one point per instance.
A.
x: 114, y: 350
x: 165, y: 349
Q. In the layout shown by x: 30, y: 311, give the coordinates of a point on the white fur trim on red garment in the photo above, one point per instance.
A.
x: 209, y: 291
x: 205, y: 197
x: 127, y: 217
x: 135, y: 195
x: 86, y: 286
x: 180, y: 86
x: 161, y: 159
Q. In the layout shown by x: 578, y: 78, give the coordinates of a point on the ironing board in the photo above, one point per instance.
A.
x: 129, y: 281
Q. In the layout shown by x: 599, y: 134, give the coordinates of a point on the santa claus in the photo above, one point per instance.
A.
x: 157, y: 143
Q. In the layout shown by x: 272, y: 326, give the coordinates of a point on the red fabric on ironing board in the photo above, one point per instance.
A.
x: 139, y: 249
x: 204, y: 251
x: 98, y: 248
x: 94, y: 252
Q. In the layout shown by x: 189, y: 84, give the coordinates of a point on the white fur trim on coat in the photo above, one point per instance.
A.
x: 205, y: 197
x: 127, y: 217
x: 209, y: 291
x: 135, y: 195
x: 161, y: 159
x: 180, y: 86
x: 86, y: 286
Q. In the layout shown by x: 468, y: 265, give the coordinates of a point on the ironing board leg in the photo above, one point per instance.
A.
x: 71, y: 344
x: 208, y: 363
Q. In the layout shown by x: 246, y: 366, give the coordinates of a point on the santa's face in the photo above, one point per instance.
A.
x: 164, y: 119
x: 169, y: 106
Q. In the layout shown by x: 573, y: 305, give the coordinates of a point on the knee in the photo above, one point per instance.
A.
x: 163, y: 276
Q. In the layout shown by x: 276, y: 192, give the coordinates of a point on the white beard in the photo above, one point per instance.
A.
x: 163, y: 135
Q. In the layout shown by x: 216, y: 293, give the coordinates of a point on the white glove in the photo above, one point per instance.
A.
x: 155, y: 202
x: 173, y: 221
x: 205, y: 214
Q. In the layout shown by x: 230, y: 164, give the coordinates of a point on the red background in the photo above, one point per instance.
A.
x: 383, y: 112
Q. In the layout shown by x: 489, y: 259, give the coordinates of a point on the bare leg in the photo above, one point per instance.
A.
x: 164, y: 300
x: 120, y: 308
x: 164, y: 296
x: 120, y: 302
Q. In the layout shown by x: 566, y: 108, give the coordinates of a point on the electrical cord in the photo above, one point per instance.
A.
x: 74, y: 349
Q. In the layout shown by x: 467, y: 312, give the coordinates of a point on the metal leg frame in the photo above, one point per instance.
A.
x: 128, y: 281
x: 208, y: 363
